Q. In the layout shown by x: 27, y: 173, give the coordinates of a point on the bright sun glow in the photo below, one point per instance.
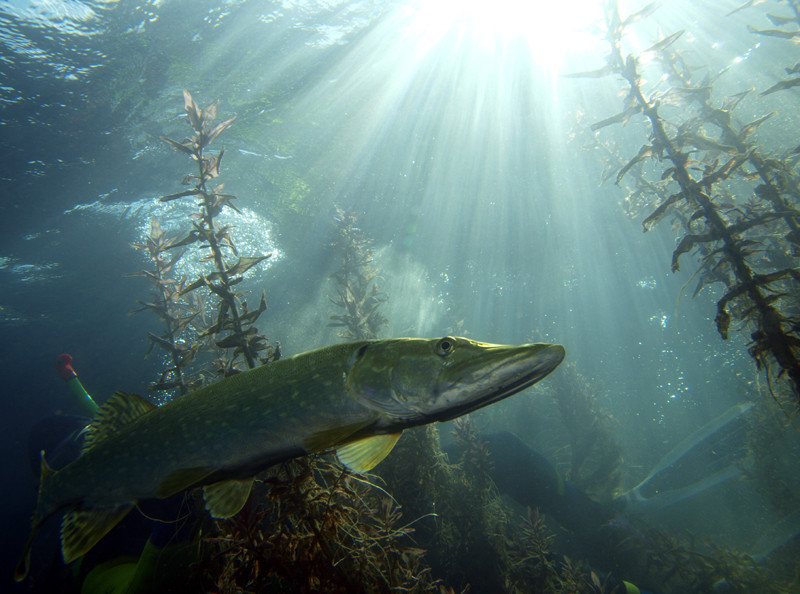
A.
x: 474, y: 87
x: 552, y: 29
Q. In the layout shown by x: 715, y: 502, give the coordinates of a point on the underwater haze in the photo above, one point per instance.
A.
x: 490, y: 166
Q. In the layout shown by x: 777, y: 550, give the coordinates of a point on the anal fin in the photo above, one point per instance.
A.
x: 226, y: 498
x: 364, y: 454
x: 83, y: 528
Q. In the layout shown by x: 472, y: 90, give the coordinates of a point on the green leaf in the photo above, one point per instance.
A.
x: 609, y: 68
x: 200, y: 282
x: 163, y: 342
x: 620, y: 118
x: 665, y: 43
x: 167, y: 268
x: 236, y: 340
x: 251, y: 316
x: 641, y: 14
x: 211, y: 165
x: 748, y: 129
x: 780, y: 33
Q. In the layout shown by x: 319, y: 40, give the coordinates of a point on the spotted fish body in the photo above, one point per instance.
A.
x: 355, y: 398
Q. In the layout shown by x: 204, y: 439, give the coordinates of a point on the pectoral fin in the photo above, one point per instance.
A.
x: 226, y: 498
x: 81, y: 529
x: 364, y: 454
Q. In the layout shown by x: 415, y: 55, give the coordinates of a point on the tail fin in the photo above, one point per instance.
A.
x: 39, y: 516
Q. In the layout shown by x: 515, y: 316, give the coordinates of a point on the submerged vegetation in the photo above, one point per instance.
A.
x: 236, y: 324
x: 358, y: 293
x: 313, y: 527
x: 176, y: 314
x: 425, y: 523
x: 232, y: 334
x: 596, y: 460
x: 734, y: 202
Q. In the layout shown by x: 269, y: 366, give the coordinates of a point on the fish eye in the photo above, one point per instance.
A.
x: 445, y: 346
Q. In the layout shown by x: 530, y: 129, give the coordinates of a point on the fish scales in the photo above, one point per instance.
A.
x: 133, y: 462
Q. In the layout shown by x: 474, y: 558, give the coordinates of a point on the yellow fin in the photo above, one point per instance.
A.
x: 226, y: 498
x: 182, y: 479
x: 116, y: 412
x: 329, y: 438
x: 364, y: 454
x: 81, y: 529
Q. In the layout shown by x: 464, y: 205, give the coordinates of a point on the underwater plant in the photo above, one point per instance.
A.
x: 735, y: 203
x: 314, y: 527
x: 358, y: 294
x: 682, y: 565
x: 176, y: 314
x: 186, y: 332
x: 595, y: 457
x: 234, y: 321
x: 534, y: 568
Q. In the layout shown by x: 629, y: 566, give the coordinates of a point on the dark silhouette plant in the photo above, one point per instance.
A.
x: 234, y: 328
x: 736, y: 204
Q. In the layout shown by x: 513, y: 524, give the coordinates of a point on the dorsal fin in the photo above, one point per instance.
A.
x: 118, y: 411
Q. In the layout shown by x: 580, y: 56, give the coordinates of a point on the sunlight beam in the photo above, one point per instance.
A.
x: 550, y: 29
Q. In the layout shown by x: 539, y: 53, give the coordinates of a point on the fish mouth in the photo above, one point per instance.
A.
x: 545, y: 362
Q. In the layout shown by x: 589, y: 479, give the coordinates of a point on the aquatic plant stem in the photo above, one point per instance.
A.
x: 770, y: 335
x: 208, y: 220
x: 172, y: 333
x: 232, y: 313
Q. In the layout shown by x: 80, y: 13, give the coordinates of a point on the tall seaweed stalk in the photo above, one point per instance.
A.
x: 748, y: 240
x: 234, y: 321
x: 174, y: 312
x: 358, y: 294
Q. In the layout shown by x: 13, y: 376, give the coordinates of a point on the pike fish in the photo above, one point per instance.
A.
x: 355, y: 398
